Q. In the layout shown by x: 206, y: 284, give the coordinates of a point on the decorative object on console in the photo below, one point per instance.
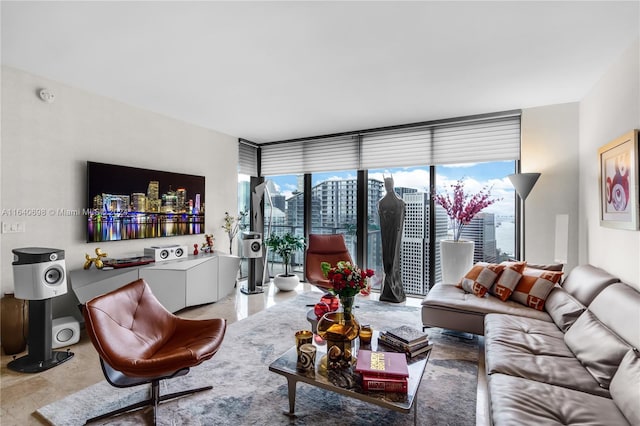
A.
x: 523, y: 184
x: 207, y: 246
x: 456, y: 256
x: 618, y: 177
x: 130, y: 203
x: 95, y: 260
x: 127, y: 262
x: 284, y: 246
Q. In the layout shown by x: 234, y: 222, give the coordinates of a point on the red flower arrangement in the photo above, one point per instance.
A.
x: 463, y: 207
x: 347, y: 280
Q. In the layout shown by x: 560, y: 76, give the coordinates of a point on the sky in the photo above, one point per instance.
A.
x: 476, y: 176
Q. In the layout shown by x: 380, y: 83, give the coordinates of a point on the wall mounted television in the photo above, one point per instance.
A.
x: 126, y: 203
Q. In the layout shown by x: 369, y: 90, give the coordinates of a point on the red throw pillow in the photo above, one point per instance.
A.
x: 480, y: 278
x: 534, y: 287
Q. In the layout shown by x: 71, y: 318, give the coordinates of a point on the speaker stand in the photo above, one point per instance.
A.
x: 40, y: 356
x: 251, y: 287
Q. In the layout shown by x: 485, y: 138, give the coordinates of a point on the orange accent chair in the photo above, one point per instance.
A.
x: 140, y: 342
x: 329, y: 248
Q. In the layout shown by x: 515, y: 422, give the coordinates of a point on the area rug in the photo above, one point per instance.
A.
x: 245, y: 392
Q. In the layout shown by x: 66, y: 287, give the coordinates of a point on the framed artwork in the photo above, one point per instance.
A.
x: 618, y: 178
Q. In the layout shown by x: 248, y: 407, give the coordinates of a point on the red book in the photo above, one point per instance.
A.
x: 382, y: 364
x: 384, y: 384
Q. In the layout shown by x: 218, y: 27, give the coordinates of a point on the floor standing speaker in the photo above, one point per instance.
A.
x: 38, y: 275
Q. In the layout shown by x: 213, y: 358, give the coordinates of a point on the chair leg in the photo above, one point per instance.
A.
x: 154, y: 401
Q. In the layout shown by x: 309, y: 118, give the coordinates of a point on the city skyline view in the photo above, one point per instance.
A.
x: 475, y: 175
x: 333, y: 210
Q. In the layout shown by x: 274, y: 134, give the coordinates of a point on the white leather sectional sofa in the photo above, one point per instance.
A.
x: 576, y: 362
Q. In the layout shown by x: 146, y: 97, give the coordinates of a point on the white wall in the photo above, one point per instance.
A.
x: 609, y: 110
x: 550, y: 147
x: 45, y: 148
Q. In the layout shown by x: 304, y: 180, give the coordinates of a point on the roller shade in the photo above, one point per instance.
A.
x: 490, y: 137
x: 310, y: 156
x: 247, y: 159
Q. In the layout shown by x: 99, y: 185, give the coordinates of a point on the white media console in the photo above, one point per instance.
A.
x: 194, y: 280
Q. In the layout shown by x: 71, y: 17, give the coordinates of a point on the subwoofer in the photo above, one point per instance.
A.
x: 39, y: 273
x: 65, y: 331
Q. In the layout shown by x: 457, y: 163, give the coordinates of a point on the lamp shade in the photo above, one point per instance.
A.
x: 523, y: 183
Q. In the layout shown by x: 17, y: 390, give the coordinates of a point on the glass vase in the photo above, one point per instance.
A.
x: 339, y: 329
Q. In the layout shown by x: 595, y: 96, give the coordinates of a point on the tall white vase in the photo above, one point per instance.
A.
x: 456, y: 259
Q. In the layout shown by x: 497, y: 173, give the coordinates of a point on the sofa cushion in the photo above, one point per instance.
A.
x: 480, y: 278
x: 625, y: 387
x: 519, y: 401
x: 563, y: 308
x: 606, y: 331
x: 534, y: 287
x: 597, y: 348
x: 618, y: 308
x: 584, y: 282
x: 547, y: 266
x: 508, y: 280
x: 532, y: 349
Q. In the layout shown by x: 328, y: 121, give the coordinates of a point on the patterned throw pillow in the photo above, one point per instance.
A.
x: 534, y: 287
x: 480, y: 278
x: 508, y: 280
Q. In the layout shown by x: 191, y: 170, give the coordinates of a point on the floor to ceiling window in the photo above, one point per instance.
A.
x: 346, y: 186
x: 284, y: 213
x: 334, y: 205
x: 492, y: 230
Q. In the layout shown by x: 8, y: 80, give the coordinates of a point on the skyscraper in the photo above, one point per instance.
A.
x: 482, y: 231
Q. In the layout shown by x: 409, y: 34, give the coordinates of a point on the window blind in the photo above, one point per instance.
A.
x: 247, y: 158
x: 477, y: 142
x: 490, y: 137
x: 310, y: 156
x: 395, y: 148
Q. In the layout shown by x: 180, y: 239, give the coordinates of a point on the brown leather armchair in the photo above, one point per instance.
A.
x: 140, y: 342
x: 329, y: 248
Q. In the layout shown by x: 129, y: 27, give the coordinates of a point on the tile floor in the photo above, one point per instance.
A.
x: 21, y: 394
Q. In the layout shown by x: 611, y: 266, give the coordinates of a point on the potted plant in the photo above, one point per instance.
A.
x: 456, y: 256
x: 284, y: 246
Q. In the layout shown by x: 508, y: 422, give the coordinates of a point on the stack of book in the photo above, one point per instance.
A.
x: 405, y: 339
x: 383, y: 371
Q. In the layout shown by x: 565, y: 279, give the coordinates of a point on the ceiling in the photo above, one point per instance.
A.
x: 268, y: 71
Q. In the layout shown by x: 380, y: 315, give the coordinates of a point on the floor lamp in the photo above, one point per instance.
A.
x: 523, y: 183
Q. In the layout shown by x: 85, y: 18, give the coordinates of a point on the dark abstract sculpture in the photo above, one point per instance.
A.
x: 391, y: 210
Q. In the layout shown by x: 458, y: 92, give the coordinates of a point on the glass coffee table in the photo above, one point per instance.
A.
x: 347, y: 382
